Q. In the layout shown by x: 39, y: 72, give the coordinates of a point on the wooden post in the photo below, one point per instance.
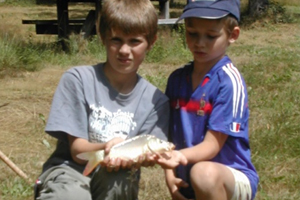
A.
x: 62, y: 22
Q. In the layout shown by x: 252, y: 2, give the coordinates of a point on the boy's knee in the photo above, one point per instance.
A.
x: 204, y: 176
x: 64, y: 191
x: 62, y: 182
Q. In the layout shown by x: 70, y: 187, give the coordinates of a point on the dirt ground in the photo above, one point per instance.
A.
x: 25, y: 101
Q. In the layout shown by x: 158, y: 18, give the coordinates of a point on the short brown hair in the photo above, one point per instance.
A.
x: 128, y: 16
x: 230, y: 22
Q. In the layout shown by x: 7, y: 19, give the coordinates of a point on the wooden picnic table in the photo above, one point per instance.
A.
x: 63, y: 25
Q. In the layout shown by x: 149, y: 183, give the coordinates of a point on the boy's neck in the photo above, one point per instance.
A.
x: 200, y: 70
x: 123, y: 83
x: 197, y: 76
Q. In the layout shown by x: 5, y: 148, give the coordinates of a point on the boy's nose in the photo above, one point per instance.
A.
x: 125, y: 48
x: 200, y: 41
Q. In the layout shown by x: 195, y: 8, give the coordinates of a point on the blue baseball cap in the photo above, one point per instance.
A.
x: 211, y: 9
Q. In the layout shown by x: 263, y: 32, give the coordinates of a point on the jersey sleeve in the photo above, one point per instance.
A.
x: 68, y: 114
x: 230, y: 107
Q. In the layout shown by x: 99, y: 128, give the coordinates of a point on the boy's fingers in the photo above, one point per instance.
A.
x: 183, y: 184
x: 109, y: 168
x: 179, y: 196
x: 111, y: 143
x: 166, y: 155
x: 183, y: 160
x: 116, y: 164
x: 106, y: 160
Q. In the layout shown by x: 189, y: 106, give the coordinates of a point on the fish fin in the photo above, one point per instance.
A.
x: 85, y: 155
x: 94, y: 159
x: 90, y: 166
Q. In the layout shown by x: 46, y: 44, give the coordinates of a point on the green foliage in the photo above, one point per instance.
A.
x: 17, y: 56
x: 158, y: 79
x: 20, y: 2
x: 169, y: 48
x: 277, y: 12
x: 16, y: 188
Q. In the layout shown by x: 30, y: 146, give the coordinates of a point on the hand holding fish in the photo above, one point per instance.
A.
x: 112, y: 143
x: 113, y: 164
x: 172, y: 159
x: 131, y: 151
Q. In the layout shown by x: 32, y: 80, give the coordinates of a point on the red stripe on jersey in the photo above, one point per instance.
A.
x: 205, y: 81
x: 191, y: 106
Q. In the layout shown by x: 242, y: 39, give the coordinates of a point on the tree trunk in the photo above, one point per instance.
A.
x: 257, y: 8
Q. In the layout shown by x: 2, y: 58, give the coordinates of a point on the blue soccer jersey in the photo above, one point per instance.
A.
x: 219, y: 103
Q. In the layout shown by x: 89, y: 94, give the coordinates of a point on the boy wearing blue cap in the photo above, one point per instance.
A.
x: 209, y: 111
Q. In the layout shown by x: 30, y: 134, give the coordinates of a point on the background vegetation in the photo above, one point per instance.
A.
x: 267, y: 54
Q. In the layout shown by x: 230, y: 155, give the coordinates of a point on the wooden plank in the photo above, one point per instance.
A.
x: 83, y: 1
x: 89, y: 25
x: 168, y: 21
x: 52, y: 29
x: 52, y: 21
x: 76, y: 25
x: 62, y: 18
x: 81, y: 21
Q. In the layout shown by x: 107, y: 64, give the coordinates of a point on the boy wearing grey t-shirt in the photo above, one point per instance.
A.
x: 96, y: 107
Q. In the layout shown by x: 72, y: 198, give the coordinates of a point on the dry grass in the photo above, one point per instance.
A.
x: 28, y: 98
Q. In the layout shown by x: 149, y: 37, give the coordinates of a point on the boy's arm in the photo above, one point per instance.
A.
x: 206, y: 150
x: 80, y: 145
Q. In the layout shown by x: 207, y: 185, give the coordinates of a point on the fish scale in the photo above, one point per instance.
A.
x: 129, y: 149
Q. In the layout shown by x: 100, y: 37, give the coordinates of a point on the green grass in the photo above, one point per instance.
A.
x: 267, y: 54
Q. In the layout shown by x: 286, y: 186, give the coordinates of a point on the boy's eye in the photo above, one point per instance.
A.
x: 135, y: 41
x: 211, y: 37
x: 115, y: 40
x: 192, y: 33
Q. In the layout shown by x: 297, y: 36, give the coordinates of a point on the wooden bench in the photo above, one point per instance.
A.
x: 63, y: 26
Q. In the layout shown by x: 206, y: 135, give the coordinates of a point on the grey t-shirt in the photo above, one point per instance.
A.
x: 86, y: 106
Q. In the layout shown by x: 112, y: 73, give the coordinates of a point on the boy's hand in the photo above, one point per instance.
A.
x: 171, y: 160
x: 112, y: 143
x: 112, y: 164
x: 174, y: 186
x: 116, y: 164
x: 147, y: 160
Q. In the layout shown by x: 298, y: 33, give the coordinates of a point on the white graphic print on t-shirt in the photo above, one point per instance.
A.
x: 105, y: 125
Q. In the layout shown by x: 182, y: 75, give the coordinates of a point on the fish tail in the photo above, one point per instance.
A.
x: 94, y: 158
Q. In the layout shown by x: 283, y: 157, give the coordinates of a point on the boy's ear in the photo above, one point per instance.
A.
x: 153, y: 42
x: 234, y: 34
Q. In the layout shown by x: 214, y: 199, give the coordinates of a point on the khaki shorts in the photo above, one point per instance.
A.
x: 242, y: 190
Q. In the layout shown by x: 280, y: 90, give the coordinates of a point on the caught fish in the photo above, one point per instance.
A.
x: 129, y: 149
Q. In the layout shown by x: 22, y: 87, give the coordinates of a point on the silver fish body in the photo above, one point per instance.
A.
x: 129, y: 149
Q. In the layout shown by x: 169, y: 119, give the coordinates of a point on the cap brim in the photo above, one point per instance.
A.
x: 203, y: 13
